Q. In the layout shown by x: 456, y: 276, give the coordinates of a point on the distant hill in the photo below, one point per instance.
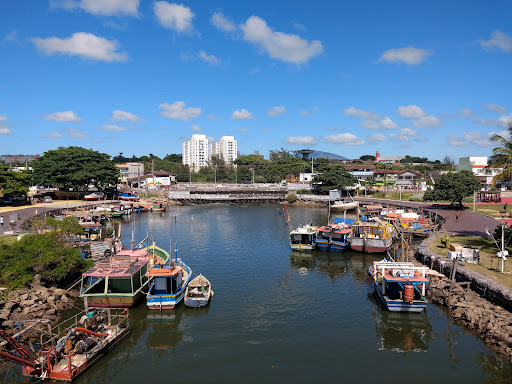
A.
x: 326, y: 155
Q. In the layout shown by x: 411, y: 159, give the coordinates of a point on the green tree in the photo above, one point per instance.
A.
x: 453, y: 187
x: 75, y: 167
x: 367, y: 158
x: 333, y: 178
x: 12, y: 182
x: 502, y: 156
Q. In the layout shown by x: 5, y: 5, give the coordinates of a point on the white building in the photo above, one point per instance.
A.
x: 225, y: 148
x: 477, y: 165
x: 195, y: 152
x: 130, y: 170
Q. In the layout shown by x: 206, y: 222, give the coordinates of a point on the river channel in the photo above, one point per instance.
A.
x: 281, y: 317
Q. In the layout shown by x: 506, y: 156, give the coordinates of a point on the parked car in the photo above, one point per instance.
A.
x: 6, y: 200
x: 221, y: 186
x: 47, y: 199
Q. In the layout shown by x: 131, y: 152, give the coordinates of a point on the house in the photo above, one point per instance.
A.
x: 387, y: 160
x: 153, y: 180
x: 478, y: 165
x: 363, y: 172
x: 385, y: 177
x: 409, y: 179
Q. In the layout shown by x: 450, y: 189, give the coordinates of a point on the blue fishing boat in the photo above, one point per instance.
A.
x: 168, y: 283
x: 334, y: 236
x: 128, y: 196
x: 400, y: 285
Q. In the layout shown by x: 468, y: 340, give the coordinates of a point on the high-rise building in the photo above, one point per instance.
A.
x: 225, y: 148
x: 195, y: 152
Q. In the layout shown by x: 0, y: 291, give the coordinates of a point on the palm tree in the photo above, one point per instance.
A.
x: 502, y: 156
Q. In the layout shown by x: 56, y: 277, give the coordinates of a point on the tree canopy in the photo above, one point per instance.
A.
x: 454, y: 187
x: 333, y: 178
x: 12, y: 182
x: 502, y: 156
x: 75, y: 167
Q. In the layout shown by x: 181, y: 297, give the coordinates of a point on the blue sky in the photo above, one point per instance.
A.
x: 429, y: 79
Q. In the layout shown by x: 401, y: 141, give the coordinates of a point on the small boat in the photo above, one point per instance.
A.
x: 199, y: 292
x: 371, y: 236
x: 304, y: 238
x: 334, y: 236
x: 129, y: 196
x: 400, y: 285
x: 71, y: 347
x: 158, y: 208
x: 94, y: 196
x: 168, y: 283
x: 343, y: 206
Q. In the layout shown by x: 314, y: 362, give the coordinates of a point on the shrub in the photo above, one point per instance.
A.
x: 291, y: 198
x: 304, y: 192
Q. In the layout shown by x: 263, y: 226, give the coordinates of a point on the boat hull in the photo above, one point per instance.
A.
x: 303, y: 247
x: 160, y: 302
x: 113, y: 301
x: 370, y: 245
x: 193, y: 303
x: 332, y: 247
x: 415, y: 306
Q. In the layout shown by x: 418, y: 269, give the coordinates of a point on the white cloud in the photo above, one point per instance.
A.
x: 427, y: 121
x: 210, y: 59
x: 404, y: 134
x: 214, y: 118
x: 63, y: 117
x: 243, y: 130
x: 3, y: 118
x: 275, y: 111
x: 344, y: 139
x: 466, y: 112
x: 112, y: 127
x: 4, y: 130
x: 408, y: 55
x: 369, y: 124
x: 118, y: 115
x: 495, y: 108
x: 387, y: 123
x: 376, y: 137
x: 85, y: 45
x: 504, y: 120
x: 455, y: 141
x: 178, y: 112
x: 68, y: 5
x: 11, y: 36
x: 222, y: 23
x: 174, y: 16
x: 286, y: 47
x: 478, y: 139
x: 411, y: 111
x: 301, y: 140
x: 486, y: 122
x: 196, y: 128
x: 54, y: 135
x: 369, y: 115
x: 243, y: 114
x: 76, y: 134
x: 303, y: 112
x: 499, y: 40
x: 111, y: 7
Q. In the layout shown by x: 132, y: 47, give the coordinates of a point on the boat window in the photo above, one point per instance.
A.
x: 119, y: 285
x: 136, y: 281
x: 95, y: 284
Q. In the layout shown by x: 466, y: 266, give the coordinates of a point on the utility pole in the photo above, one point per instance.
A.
x: 252, y: 169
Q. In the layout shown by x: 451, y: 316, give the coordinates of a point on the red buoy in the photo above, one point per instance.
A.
x: 408, y: 292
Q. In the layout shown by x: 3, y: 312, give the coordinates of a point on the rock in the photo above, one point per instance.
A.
x: 36, y: 280
x: 23, y: 297
x: 10, y: 305
x: 27, y: 303
x: 51, y: 312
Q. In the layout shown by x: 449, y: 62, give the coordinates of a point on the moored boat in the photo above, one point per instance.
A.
x: 334, y: 236
x: 304, y: 238
x: 344, y: 206
x: 129, y: 196
x: 400, y: 285
x: 371, y: 236
x: 198, y: 292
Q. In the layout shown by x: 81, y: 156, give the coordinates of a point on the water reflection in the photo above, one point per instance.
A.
x: 164, y: 331
x: 401, y: 332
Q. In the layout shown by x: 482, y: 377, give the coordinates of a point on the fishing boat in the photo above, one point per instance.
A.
x: 69, y: 348
x: 94, y: 196
x: 304, y: 238
x: 198, y: 292
x: 120, y: 280
x: 371, y: 236
x: 168, y: 283
x: 400, y: 285
x: 412, y: 223
x: 334, y: 236
x: 343, y: 206
x: 128, y: 196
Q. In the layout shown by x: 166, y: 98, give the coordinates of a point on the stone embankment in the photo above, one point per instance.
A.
x: 484, y: 309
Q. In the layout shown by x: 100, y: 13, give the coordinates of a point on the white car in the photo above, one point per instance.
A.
x: 221, y: 186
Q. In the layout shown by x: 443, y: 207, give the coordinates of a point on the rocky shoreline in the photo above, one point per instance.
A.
x: 483, y: 309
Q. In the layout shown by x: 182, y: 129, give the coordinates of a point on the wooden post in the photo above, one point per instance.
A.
x: 452, y: 280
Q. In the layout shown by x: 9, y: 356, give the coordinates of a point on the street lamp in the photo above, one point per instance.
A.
x: 215, y: 171
x: 503, y: 253
x: 252, y: 169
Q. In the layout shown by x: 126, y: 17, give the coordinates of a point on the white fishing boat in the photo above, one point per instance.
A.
x: 198, y: 293
x: 344, y: 206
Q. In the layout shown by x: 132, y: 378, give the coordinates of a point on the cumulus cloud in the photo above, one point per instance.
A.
x: 243, y: 114
x: 174, y: 16
x: 427, y: 121
x: 210, y: 59
x: 387, y: 124
x: 178, y: 111
x: 76, y: 134
x: 503, y: 121
x: 4, y: 130
x: 222, y: 23
x: 455, y: 141
x: 478, y: 139
x: 466, y: 112
x: 212, y: 117
x: 407, y: 55
x: 305, y: 112
x: 369, y: 115
x: 376, y: 138
x: 301, y: 140
x: 404, y: 134
x: 196, y: 128
x: 111, y: 7
x: 369, y: 124
x: 85, y: 45
x: 286, y: 47
x: 498, y: 40
x: 112, y: 127
x: 242, y: 130
x: 63, y: 117
x: 275, y: 111
x: 118, y: 115
x: 54, y: 135
x: 344, y: 139
x: 411, y: 111
x: 486, y: 122
x: 495, y: 108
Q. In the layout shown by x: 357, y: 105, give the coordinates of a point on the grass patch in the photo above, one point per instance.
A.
x: 489, y: 266
x: 8, y: 239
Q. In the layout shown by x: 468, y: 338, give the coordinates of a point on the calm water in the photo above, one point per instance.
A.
x: 279, y: 316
